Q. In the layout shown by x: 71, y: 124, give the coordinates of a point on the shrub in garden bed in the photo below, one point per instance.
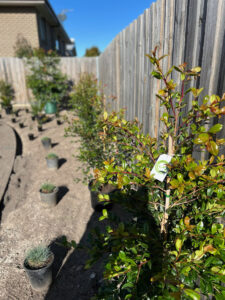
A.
x: 87, y: 105
x: 6, y: 96
x: 45, y: 79
x: 174, y: 248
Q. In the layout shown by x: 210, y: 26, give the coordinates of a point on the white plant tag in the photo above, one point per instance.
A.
x: 159, y: 170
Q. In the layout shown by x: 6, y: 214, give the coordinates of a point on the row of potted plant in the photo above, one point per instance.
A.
x: 38, y: 261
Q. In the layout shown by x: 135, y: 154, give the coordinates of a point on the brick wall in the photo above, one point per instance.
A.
x: 15, y: 21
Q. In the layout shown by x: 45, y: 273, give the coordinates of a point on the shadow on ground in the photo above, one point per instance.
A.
x: 70, y: 280
x: 63, y: 190
x: 73, y: 281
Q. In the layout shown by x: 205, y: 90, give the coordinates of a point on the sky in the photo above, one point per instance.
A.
x: 96, y: 23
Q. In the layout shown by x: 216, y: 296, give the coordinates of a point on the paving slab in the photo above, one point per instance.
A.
x: 7, y: 155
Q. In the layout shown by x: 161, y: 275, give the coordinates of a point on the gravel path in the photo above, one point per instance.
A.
x: 26, y: 223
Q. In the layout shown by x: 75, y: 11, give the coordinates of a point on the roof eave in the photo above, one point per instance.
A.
x: 40, y: 4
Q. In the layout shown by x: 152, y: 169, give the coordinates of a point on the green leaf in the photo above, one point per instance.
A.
x: 196, y: 69
x: 180, y: 177
x: 128, y: 297
x: 202, y: 138
x: 127, y: 285
x: 105, y: 213
x: 194, y: 295
x: 156, y: 74
x: 213, y: 148
x: 182, y: 76
x: 122, y: 255
x: 212, y: 173
x: 214, y: 228
x: 216, y: 128
x: 178, y: 244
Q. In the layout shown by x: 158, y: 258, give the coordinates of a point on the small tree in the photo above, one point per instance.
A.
x: 93, y: 51
x: 87, y: 105
x: 22, y: 47
x: 45, y: 78
x: 174, y: 245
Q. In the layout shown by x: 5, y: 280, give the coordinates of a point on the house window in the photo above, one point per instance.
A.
x: 57, y: 44
x: 43, y: 29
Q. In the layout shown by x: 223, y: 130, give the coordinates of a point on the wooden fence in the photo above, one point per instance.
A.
x: 13, y: 70
x: 191, y: 31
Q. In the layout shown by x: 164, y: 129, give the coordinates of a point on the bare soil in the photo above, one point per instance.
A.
x: 26, y: 223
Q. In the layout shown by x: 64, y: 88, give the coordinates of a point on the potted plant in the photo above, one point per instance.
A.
x: 21, y: 125
x: 52, y: 161
x: 39, y: 124
x: 46, y: 81
x: 48, y: 194
x: 31, y: 136
x: 16, y: 112
x: 46, y: 142
x: 6, y: 96
x: 58, y: 121
x: 37, y: 264
x: 13, y: 120
x: 100, y: 194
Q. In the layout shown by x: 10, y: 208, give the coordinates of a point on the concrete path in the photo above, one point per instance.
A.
x: 7, y: 155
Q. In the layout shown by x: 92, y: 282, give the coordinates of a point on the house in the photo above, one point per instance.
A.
x: 35, y: 22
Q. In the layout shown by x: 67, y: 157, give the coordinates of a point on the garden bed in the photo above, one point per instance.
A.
x: 26, y: 223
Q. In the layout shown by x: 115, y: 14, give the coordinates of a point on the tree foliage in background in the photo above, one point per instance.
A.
x: 6, y: 94
x: 93, y: 51
x: 172, y: 247
x: 22, y: 47
x: 87, y: 105
x: 45, y: 78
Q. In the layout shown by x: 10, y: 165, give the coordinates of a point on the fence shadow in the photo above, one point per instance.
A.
x: 73, y: 281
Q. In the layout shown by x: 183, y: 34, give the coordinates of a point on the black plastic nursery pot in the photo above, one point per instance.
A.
x: 31, y: 136
x: 8, y: 110
x: 39, y: 128
x: 47, y: 143
x: 58, y: 122
x: 32, y: 118
x: 40, y: 279
x: 13, y: 120
x: 52, y: 163
x: 49, y: 199
x: 21, y: 125
x: 95, y: 204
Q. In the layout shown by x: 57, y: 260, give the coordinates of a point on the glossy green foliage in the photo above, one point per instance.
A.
x: 45, y: 78
x: 87, y: 106
x: 174, y: 248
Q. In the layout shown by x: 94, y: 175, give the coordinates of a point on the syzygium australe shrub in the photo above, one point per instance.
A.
x: 173, y: 246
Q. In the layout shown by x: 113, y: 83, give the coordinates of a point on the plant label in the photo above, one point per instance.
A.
x: 159, y: 170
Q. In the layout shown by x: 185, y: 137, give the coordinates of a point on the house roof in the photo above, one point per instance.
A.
x: 45, y: 8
